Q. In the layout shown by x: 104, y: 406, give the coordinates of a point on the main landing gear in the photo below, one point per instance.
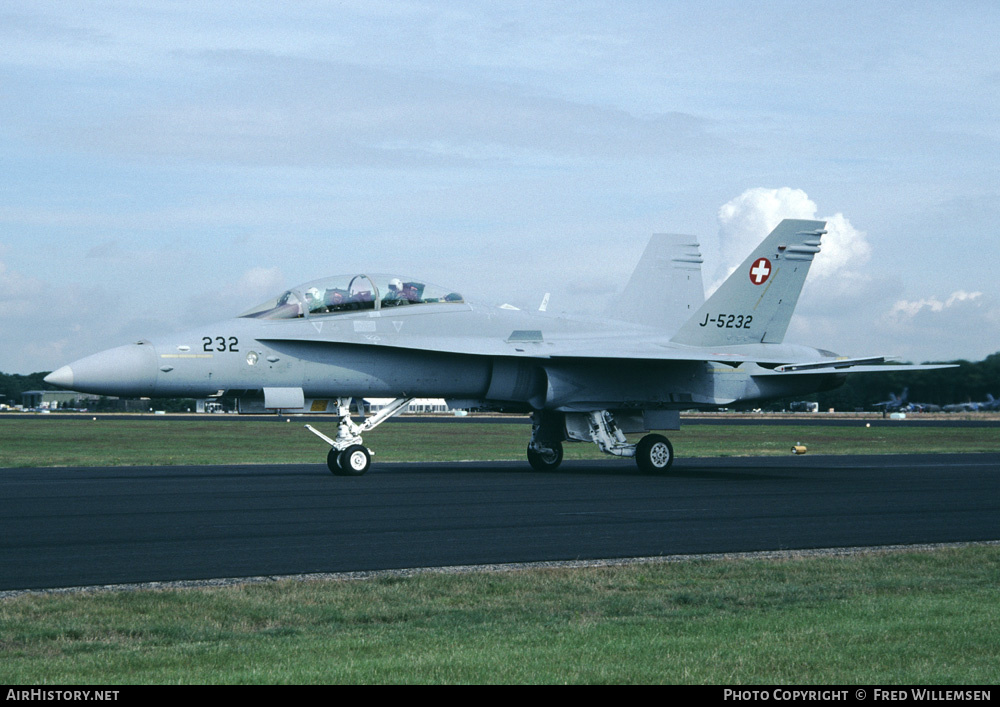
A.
x: 653, y: 454
x: 348, y: 455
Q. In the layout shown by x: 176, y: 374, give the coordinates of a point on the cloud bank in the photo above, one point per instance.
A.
x: 905, y: 309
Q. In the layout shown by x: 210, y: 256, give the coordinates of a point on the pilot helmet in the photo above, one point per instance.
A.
x: 313, y: 294
x: 395, y: 284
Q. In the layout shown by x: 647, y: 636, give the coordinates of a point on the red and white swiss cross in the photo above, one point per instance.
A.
x: 760, y: 271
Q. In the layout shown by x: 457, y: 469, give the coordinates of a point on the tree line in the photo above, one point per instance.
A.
x: 14, y: 385
x: 971, y: 381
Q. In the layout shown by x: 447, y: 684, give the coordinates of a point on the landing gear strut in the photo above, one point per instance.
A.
x: 545, y: 451
x: 348, y: 456
x: 653, y: 454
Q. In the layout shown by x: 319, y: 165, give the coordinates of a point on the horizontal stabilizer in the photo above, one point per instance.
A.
x: 857, y: 369
x: 834, y: 363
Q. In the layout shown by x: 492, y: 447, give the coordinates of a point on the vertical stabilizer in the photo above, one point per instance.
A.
x: 755, y: 304
x: 666, y: 286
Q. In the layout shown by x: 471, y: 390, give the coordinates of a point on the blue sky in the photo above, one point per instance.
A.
x: 165, y: 164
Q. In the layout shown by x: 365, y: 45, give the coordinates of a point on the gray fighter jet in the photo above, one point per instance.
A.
x: 991, y: 404
x: 901, y: 403
x: 316, y: 347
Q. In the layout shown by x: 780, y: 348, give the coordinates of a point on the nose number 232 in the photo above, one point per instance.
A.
x: 219, y: 343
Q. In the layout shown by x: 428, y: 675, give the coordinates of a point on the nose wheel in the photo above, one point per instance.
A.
x: 353, y: 461
x: 348, y: 456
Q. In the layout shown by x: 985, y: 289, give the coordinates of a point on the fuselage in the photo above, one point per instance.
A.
x: 478, y: 356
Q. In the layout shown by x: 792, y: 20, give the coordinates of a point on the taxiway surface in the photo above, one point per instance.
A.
x: 68, y: 527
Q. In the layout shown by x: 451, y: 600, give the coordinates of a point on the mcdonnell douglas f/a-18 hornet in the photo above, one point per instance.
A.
x: 317, y: 347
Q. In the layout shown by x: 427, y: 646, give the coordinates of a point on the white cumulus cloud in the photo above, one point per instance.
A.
x: 747, y: 219
x: 911, y: 308
x: 844, y: 248
x: 962, y: 325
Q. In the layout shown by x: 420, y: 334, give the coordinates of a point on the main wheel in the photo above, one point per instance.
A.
x: 654, y: 454
x: 333, y: 461
x: 355, y: 460
x: 546, y: 460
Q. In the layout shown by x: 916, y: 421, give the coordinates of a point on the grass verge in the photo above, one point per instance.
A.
x: 105, y: 442
x: 883, y: 618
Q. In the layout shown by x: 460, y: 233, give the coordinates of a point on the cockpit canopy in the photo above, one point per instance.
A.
x: 350, y: 293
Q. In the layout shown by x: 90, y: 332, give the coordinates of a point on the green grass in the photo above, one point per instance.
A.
x: 895, y: 618
x: 105, y: 442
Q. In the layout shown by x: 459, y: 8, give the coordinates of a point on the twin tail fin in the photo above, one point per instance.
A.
x: 755, y: 304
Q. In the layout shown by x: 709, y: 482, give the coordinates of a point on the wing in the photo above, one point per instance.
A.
x: 777, y: 360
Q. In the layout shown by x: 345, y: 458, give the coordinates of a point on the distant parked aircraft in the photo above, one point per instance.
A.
x: 991, y: 404
x: 901, y: 403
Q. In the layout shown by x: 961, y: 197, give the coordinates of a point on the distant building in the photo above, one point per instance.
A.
x: 59, y: 399
x: 52, y: 399
x: 417, y: 405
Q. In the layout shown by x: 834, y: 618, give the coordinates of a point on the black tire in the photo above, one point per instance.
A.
x: 355, y: 460
x: 333, y: 461
x: 546, y: 461
x: 654, y: 454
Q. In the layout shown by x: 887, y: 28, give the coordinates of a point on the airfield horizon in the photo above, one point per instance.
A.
x: 136, y: 440
x: 691, y: 417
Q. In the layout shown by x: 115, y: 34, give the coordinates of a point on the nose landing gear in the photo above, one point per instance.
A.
x: 348, y: 456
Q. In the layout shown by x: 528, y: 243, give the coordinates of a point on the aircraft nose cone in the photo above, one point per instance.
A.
x: 62, y: 377
x: 123, y: 371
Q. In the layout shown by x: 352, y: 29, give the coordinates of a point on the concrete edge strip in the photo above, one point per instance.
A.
x: 501, y: 567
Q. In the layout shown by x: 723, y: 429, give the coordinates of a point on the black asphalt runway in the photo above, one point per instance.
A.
x: 95, y: 526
